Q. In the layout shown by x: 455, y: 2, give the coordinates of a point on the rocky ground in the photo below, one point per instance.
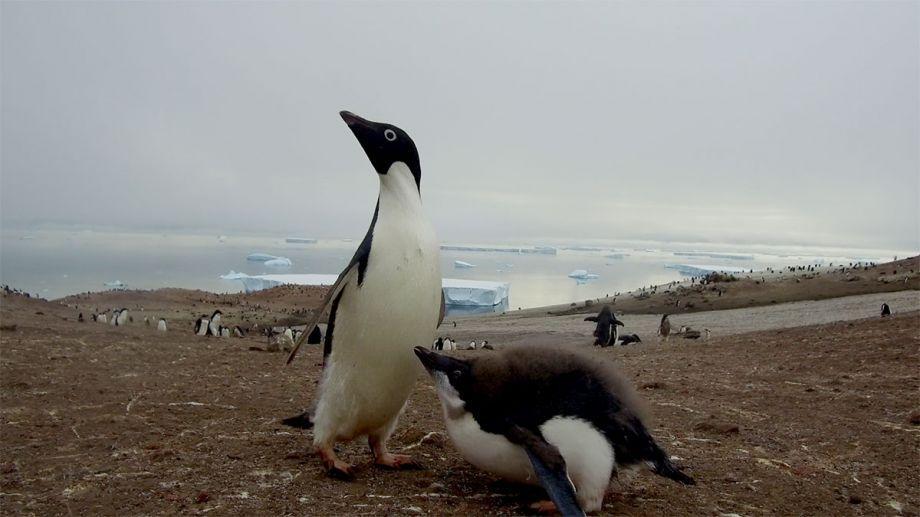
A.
x: 813, y: 420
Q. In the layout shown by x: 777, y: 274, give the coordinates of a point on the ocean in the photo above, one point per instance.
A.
x: 56, y: 263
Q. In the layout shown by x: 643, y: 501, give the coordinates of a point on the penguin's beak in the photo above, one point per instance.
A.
x: 363, y: 129
x: 431, y: 361
x: 369, y: 135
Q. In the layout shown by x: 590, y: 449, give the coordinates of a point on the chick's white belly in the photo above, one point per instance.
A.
x: 588, y: 455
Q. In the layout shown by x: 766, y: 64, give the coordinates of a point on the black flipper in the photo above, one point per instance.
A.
x: 549, y: 465
x: 591, y: 318
x: 301, y: 421
x: 664, y: 467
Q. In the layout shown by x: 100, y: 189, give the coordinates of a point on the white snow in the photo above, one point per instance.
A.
x: 459, y: 264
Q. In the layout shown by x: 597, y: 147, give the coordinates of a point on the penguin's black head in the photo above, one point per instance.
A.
x: 385, y: 144
x: 451, y: 374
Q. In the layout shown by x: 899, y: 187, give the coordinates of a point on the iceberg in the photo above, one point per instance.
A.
x: 457, y: 292
x: 474, y: 293
x: 252, y: 283
x: 117, y: 285
x: 259, y: 257
x: 582, y: 274
x: 279, y: 262
x: 299, y: 240
x: 459, y: 264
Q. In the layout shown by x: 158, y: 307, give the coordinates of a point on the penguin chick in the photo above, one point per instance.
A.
x: 546, y: 416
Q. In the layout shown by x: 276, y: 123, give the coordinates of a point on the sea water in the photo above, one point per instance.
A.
x: 56, y: 263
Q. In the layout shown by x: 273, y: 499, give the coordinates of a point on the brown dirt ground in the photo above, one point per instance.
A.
x: 102, y: 420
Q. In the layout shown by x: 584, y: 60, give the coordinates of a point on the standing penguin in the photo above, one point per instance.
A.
x: 606, y: 332
x: 543, y: 415
x: 161, y: 325
x: 386, y: 301
x: 664, y: 328
x: 214, y: 324
x: 122, y: 318
x: 886, y: 311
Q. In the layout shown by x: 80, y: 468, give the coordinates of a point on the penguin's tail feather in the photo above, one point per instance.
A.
x: 301, y: 421
x: 662, y: 466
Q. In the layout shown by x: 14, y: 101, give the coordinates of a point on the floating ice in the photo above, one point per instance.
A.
x: 278, y: 262
x: 457, y: 292
x: 582, y: 274
x: 459, y: 264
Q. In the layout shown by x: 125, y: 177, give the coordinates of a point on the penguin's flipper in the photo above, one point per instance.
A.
x: 618, y: 322
x: 350, y: 274
x: 591, y: 318
x: 549, y: 466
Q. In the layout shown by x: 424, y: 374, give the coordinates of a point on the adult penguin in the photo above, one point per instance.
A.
x: 606, y: 332
x: 386, y: 301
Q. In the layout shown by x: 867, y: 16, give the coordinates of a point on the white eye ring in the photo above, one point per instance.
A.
x: 389, y: 134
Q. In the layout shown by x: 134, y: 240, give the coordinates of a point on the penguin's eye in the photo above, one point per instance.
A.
x: 456, y: 375
x: 389, y: 134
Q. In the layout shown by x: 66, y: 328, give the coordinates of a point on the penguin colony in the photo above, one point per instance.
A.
x: 545, y: 416
x: 386, y: 301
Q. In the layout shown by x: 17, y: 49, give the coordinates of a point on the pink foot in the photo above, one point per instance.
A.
x: 397, y: 461
x: 335, y: 467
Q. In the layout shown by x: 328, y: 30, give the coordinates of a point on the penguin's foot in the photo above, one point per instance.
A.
x: 397, y: 461
x: 544, y: 507
x: 335, y: 467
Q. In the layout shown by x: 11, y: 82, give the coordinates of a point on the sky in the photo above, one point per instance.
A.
x: 773, y: 122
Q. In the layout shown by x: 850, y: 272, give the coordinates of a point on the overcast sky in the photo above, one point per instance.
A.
x: 739, y: 122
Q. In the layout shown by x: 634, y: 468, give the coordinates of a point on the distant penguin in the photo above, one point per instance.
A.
x: 438, y: 344
x: 122, y: 318
x: 113, y: 319
x: 288, y: 336
x: 483, y: 343
x: 80, y: 317
x: 161, y: 325
x: 238, y: 331
x: 202, y: 325
x: 708, y: 333
x: 214, y: 324
x: 315, y: 337
x: 886, y: 311
x: 94, y: 317
x: 224, y: 332
x: 471, y: 346
x: 629, y: 338
x: 606, y: 332
x: 146, y: 321
x: 545, y: 416
x: 449, y: 344
x: 386, y: 301
x: 664, y: 328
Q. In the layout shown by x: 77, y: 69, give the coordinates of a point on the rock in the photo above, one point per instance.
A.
x: 914, y: 418
x: 413, y: 509
x: 854, y: 499
x: 202, y: 497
